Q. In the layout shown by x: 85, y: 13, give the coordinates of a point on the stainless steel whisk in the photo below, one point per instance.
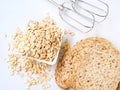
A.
x: 99, y: 13
x: 79, y: 16
x: 72, y: 18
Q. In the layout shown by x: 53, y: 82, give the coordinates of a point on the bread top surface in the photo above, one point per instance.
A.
x: 91, y: 64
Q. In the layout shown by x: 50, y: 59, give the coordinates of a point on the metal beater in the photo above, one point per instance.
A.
x: 100, y: 10
x: 72, y: 18
x: 79, y: 16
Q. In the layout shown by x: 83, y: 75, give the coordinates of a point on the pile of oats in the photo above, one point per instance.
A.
x: 40, y: 40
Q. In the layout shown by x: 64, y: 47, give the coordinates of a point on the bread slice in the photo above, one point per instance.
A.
x: 91, y: 64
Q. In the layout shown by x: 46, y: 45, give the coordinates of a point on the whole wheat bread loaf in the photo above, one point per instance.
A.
x: 91, y: 64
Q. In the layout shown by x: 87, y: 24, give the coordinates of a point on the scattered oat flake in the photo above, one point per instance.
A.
x: 28, y: 88
x: 5, y: 35
x: 46, y: 85
x: 69, y: 32
x: 9, y: 47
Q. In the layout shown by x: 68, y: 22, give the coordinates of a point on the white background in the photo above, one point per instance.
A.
x: 15, y: 13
